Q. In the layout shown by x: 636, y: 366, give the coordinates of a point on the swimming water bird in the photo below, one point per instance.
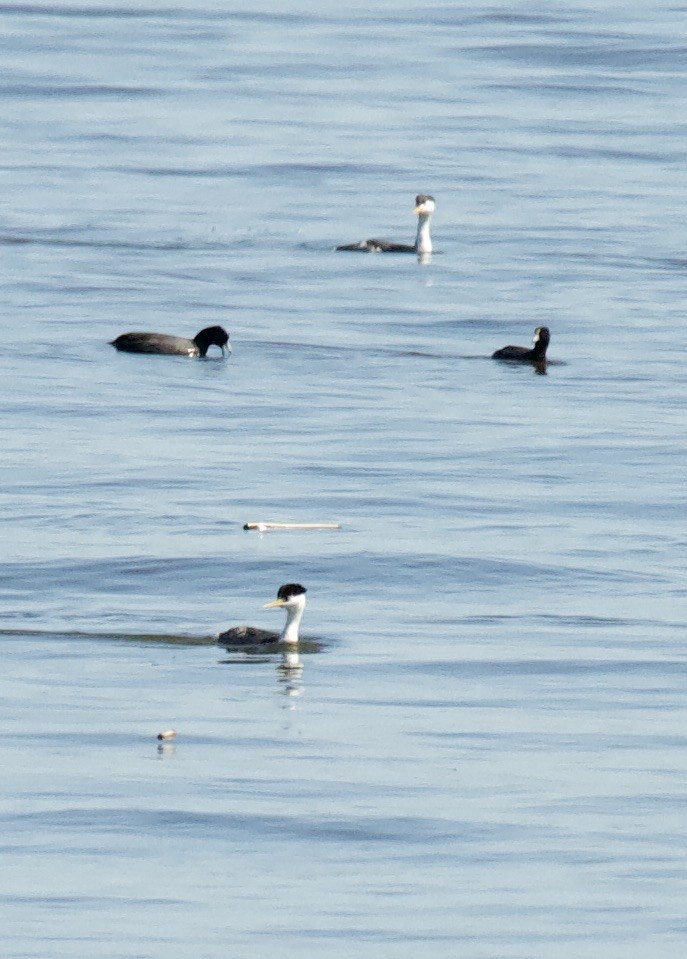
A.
x: 523, y: 354
x: 174, y: 345
x: 291, y: 597
x: 424, y: 208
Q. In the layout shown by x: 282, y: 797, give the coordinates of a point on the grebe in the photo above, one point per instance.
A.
x: 424, y: 208
x: 291, y: 596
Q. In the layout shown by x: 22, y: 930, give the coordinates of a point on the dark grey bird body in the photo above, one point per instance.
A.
x: 247, y: 636
x: 163, y: 343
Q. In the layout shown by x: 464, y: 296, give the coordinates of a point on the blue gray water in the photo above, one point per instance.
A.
x: 483, y: 753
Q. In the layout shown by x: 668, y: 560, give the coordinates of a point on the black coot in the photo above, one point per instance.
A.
x: 174, y: 345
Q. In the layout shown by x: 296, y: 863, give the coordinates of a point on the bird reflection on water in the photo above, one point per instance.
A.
x: 290, y: 673
x: 287, y: 660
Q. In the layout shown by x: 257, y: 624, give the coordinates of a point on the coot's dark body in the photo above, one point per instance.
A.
x: 523, y: 354
x: 162, y: 343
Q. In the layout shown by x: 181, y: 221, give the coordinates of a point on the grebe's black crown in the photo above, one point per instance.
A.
x: 290, y: 589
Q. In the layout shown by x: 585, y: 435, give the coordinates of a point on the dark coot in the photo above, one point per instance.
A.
x: 523, y: 354
x: 174, y: 345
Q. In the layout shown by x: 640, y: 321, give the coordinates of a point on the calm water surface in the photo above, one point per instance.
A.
x: 482, y: 749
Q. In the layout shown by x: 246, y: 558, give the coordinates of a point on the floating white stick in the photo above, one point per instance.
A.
x: 263, y: 527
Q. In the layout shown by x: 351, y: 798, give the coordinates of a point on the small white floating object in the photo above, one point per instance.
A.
x: 264, y: 527
x: 167, y: 734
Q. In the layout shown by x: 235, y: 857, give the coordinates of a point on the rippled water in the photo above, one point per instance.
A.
x: 481, y: 749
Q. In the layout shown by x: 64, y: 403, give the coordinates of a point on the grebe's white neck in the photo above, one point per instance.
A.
x: 294, y: 614
x: 423, y: 241
x: 424, y: 208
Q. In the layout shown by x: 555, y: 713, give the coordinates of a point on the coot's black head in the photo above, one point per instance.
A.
x: 211, y: 336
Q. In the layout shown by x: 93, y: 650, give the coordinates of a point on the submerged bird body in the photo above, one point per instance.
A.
x: 162, y: 343
x: 291, y: 597
x: 378, y: 246
x: 523, y: 354
x: 424, y: 208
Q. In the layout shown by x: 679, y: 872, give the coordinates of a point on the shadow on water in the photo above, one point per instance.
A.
x: 248, y: 654
x: 140, y: 639
x: 331, y: 349
x: 60, y: 240
x: 539, y: 367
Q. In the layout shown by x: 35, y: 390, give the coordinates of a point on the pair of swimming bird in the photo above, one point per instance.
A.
x: 424, y: 208
x: 217, y: 336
